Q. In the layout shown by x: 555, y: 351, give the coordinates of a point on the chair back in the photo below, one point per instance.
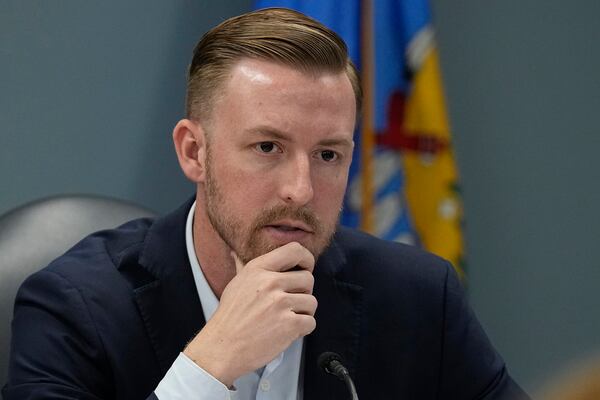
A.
x: 33, y: 235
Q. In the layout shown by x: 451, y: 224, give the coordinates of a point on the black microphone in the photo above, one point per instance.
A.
x: 331, y: 363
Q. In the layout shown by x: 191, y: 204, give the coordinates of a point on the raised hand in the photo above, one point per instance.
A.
x: 265, y: 307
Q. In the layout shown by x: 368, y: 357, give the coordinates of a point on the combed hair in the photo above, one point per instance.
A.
x: 272, y: 34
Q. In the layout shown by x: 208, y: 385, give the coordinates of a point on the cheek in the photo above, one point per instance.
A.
x: 329, y: 191
x: 232, y: 171
x: 245, y: 188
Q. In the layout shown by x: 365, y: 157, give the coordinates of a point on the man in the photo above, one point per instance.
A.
x: 219, y: 299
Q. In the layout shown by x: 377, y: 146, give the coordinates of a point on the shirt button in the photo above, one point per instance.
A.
x: 265, y: 385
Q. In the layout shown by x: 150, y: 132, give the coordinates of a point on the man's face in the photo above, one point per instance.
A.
x: 279, y: 146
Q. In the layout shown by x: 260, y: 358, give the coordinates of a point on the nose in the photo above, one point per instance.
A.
x: 296, y: 181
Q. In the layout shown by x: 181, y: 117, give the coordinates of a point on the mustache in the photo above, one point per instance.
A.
x: 276, y: 213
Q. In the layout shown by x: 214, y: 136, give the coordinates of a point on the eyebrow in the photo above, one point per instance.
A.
x: 269, y: 132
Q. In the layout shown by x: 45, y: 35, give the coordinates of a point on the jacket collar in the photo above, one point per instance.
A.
x: 169, y: 305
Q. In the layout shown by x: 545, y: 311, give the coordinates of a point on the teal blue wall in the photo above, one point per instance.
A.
x: 523, y: 84
x: 89, y: 93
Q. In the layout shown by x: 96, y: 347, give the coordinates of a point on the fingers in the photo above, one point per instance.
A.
x: 293, y: 259
x: 304, y: 324
x: 286, y: 257
x: 296, y: 282
x: 300, y: 303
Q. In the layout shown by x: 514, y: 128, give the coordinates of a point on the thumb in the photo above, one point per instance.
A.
x: 238, y: 263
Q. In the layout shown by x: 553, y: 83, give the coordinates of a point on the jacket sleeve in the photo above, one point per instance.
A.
x: 471, y: 368
x: 56, y: 352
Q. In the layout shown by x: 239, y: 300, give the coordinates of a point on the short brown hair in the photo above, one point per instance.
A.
x: 274, y: 34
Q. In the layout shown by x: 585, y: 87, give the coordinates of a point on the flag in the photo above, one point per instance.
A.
x: 403, y: 182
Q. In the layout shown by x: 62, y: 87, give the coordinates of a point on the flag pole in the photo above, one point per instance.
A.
x: 367, y: 220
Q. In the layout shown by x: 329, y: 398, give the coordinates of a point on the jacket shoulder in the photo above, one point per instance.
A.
x: 103, y: 256
x: 374, y: 258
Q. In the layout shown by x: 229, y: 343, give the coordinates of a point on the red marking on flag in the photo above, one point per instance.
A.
x: 397, y: 137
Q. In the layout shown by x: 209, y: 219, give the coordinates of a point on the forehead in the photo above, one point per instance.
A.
x: 264, y: 92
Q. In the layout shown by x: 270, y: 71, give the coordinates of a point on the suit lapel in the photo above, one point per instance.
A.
x: 169, y: 305
x: 172, y: 313
x: 338, y: 319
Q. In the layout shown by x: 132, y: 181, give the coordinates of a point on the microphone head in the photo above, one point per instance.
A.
x: 325, y: 359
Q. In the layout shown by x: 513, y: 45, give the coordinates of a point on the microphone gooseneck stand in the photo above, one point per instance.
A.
x: 331, y: 363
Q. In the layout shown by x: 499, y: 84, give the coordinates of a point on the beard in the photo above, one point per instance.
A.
x: 247, y: 240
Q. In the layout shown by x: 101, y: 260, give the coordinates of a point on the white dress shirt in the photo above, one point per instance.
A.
x: 280, y: 379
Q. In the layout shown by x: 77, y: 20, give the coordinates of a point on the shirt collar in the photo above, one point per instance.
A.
x: 207, y: 297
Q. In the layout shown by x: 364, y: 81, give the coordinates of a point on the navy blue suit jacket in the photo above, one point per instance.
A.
x: 107, y: 319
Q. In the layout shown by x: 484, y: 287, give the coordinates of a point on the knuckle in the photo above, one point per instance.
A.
x: 271, y: 281
x: 310, y: 281
x: 314, y: 303
x: 282, y: 300
x: 306, y: 281
x: 297, y: 322
x: 310, y: 325
x: 311, y: 264
x: 302, y: 325
x: 287, y: 301
x: 267, y: 282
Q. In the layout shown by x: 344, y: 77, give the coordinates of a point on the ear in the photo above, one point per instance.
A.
x: 190, y: 145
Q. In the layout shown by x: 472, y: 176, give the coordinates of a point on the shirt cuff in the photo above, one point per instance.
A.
x: 187, y: 380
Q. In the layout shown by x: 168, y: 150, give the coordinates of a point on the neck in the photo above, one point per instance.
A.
x: 214, y: 255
